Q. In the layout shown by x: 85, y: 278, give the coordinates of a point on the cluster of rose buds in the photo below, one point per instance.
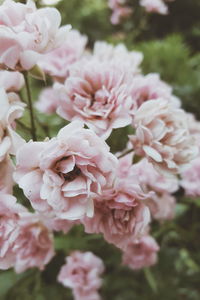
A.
x: 120, y: 8
x: 73, y: 178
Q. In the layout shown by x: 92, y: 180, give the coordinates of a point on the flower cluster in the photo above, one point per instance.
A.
x: 73, y: 178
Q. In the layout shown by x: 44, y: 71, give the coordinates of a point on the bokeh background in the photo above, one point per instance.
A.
x: 171, y: 47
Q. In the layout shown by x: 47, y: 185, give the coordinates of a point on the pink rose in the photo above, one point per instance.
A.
x: 34, y: 244
x: 118, y: 55
x: 150, y: 87
x: 161, y: 203
x: 120, y: 214
x: 190, y: 178
x: 11, y: 109
x: 66, y: 172
x: 162, y: 135
x: 26, y: 33
x: 9, y: 218
x: 11, y: 81
x: 82, y: 273
x: 57, y: 62
x: 194, y: 128
x: 142, y: 253
x: 97, y: 93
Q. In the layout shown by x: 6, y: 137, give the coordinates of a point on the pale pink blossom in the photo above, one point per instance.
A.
x: 162, y: 135
x: 57, y: 62
x: 26, y: 33
x: 155, y: 6
x: 9, y: 230
x: 48, y: 101
x: 194, y: 128
x: 151, y: 87
x: 11, y: 81
x: 190, y: 178
x: 82, y: 273
x: 160, y: 202
x: 119, y: 54
x: 140, y: 254
x: 66, y: 172
x: 121, y: 214
x: 97, y: 93
x: 56, y: 224
x: 34, y: 244
x: 11, y: 109
x: 120, y: 10
x: 6, y: 175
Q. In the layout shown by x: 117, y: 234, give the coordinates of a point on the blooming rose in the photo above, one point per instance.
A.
x: 11, y: 108
x: 190, y: 178
x: 48, y: 101
x: 142, y: 253
x: 151, y: 87
x: 66, y: 172
x: 56, y: 63
x: 33, y: 246
x: 162, y: 135
x: 120, y: 10
x: 9, y: 218
x: 82, y: 273
x: 6, y: 175
x: 131, y: 60
x: 120, y: 214
x: 97, y: 93
x: 11, y: 81
x: 194, y: 128
x: 26, y: 32
x: 161, y: 203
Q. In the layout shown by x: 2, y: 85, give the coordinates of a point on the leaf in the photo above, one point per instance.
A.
x: 37, y: 73
x: 151, y: 280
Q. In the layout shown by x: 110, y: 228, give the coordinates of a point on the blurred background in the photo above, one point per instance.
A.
x: 171, y: 47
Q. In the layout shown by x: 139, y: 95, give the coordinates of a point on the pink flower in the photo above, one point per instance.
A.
x: 11, y: 109
x: 120, y: 214
x: 97, y: 93
x: 66, y: 172
x: 34, y: 244
x: 57, y: 62
x: 191, y: 178
x: 118, y: 55
x: 154, y: 6
x: 48, y: 101
x: 162, y: 135
x: 161, y: 203
x: 142, y: 253
x: 150, y: 87
x: 6, y: 175
x: 11, y: 81
x: 9, y: 218
x: 26, y: 33
x: 120, y: 10
x: 194, y: 128
x: 82, y: 273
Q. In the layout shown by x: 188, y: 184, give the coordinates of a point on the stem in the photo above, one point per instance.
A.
x: 125, y: 153
x: 30, y: 106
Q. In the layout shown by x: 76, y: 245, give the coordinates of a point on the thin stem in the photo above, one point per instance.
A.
x: 125, y: 153
x: 33, y: 128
